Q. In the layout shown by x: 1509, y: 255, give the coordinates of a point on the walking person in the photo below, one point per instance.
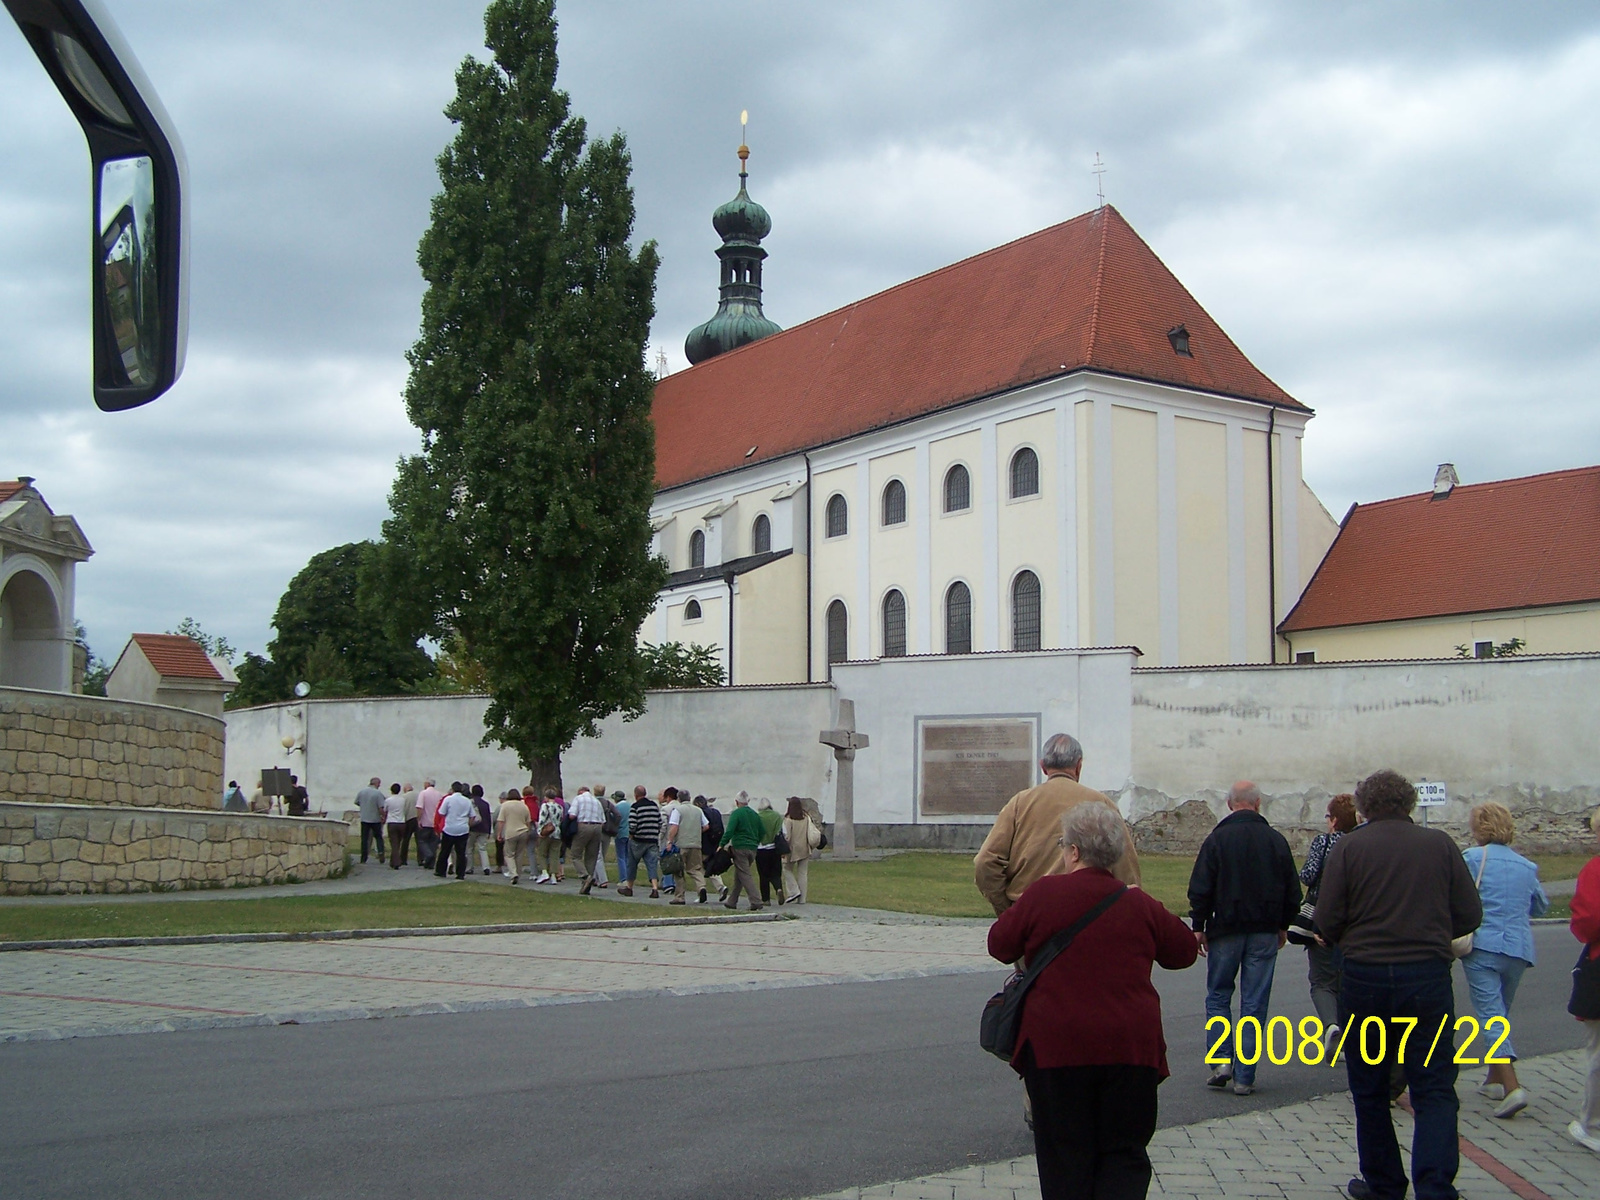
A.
x: 1393, y: 896
x: 512, y: 825
x: 455, y: 812
x: 1025, y: 843
x: 711, y: 840
x: 622, y: 804
x: 1324, y: 962
x: 428, y: 801
x: 1502, y: 945
x: 769, y: 859
x: 804, y: 838
x: 548, y: 849
x: 394, y: 820
x: 1090, y: 1047
x: 369, y: 800
x: 480, y: 829
x: 685, y: 824
x: 644, y: 843
x: 589, y: 816
x: 1585, y: 1002
x: 494, y: 815
x: 741, y: 836
x: 608, y: 834
x: 1243, y: 892
x: 409, y: 795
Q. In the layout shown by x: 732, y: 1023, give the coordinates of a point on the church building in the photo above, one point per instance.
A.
x: 1046, y: 445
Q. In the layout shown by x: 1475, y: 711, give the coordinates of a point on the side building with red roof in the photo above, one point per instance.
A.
x: 171, y: 669
x: 1464, y: 570
x: 1047, y: 445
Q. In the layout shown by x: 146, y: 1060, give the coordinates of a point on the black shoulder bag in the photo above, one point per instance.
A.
x: 1002, y: 1015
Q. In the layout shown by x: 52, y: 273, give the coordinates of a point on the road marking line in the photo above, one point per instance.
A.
x: 1491, y: 1164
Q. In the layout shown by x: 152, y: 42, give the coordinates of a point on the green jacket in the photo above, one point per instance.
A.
x: 771, y: 825
x: 743, y: 830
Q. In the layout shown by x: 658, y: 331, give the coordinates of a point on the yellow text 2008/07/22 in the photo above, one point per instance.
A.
x: 1374, y: 1037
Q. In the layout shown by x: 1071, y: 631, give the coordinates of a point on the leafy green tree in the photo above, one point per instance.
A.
x: 674, y: 665
x: 333, y: 637
x: 219, y: 647
x: 95, y: 669
x: 523, y: 526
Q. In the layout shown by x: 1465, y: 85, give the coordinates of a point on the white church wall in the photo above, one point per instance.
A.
x: 1027, y: 527
x: 835, y: 563
x: 894, y: 548
x: 770, y: 622
x: 1317, y: 531
x: 1084, y: 692
x: 1201, y: 479
x: 1519, y: 731
x: 1135, y: 516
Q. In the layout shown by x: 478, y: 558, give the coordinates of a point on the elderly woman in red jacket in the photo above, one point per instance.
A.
x: 1090, y: 1049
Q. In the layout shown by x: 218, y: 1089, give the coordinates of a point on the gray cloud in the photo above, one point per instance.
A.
x: 1391, y: 208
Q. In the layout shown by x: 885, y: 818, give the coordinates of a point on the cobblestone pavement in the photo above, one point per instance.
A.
x: 75, y: 993
x: 1308, y: 1151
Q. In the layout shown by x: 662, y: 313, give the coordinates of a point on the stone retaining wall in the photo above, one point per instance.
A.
x: 60, y: 848
x: 89, y: 750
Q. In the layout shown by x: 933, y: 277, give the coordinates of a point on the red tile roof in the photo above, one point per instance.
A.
x: 9, y: 488
x: 1517, y: 543
x: 176, y: 657
x: 1088, y: 293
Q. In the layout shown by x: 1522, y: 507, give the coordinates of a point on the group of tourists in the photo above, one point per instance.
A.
x: 684, y: 845
x: 1383, y: 907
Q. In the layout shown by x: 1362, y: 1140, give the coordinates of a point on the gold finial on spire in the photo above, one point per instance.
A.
x: 744, y: 150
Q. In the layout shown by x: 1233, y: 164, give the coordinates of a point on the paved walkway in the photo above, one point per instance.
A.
x: 77, y: 993
x: 1308, y: 1151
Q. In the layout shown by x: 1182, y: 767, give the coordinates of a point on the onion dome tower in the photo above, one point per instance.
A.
x: 739, y: 319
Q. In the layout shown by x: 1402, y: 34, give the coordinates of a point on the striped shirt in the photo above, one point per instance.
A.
x: 644, y: 822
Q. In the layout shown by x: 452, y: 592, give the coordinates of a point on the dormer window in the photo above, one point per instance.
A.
x: 1179, y: 337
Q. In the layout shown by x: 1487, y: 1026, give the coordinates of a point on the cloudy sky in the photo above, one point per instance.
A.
x: 1392, y: 209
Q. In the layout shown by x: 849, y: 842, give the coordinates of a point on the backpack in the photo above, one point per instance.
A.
x: 613, y: 821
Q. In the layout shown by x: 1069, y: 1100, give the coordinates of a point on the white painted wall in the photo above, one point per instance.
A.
x: 1083, y: 692
x: 1523, y: 731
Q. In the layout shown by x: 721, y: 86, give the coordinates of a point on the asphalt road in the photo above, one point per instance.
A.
x: 782, y: 1093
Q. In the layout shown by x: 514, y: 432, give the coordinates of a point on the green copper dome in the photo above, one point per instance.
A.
x: 742, y: 223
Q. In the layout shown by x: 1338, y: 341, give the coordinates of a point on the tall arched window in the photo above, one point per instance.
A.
x: 761, y: 535
x: 697, y: 548
x: 957, y: 489
x: 1024, y: 473
x: 1026, y: 623
x: 838, y: 516
x: 691, y: 611
x: 958, y: 619
x: 894, y: 625
x: 894, y: 503
x: 838, y: 633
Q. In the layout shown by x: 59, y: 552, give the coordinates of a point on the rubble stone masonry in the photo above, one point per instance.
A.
x: 87, y: 750
x: 59, y: 848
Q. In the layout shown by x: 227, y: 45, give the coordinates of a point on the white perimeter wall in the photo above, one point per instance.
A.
x: 1083, y: 692
x: 714, y: 740
x: 1522, y: 731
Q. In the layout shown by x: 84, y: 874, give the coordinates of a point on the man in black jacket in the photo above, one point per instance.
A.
x: 1242, y: 893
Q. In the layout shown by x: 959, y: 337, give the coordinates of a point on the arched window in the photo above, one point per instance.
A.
x: 838, y: 633
x: 691, y: 611
x: 1024, y: 473
x: 1026, y: 624
x: 697, y: 548
x: 761, y: 535
x: 894, y: 503
x: 838, y: 516
x: 894, y: 625
x: 958, y: 619
x: 957, y: 489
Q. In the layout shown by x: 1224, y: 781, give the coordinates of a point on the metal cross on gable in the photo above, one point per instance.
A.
x: 845, y: 742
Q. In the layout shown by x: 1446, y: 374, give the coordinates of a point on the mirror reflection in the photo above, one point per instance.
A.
x: 128, y: 267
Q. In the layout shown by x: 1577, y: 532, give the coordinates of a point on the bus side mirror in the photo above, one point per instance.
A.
x: 140, y: 247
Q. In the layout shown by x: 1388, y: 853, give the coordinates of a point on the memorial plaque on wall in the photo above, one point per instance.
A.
x: 970, y: 766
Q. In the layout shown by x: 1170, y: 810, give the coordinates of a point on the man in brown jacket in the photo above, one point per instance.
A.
x: 1025, y: 843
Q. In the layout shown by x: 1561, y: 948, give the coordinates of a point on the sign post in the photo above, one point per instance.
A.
x: 1430, y: 795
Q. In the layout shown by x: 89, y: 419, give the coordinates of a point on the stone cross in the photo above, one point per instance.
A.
x: 845, y: 742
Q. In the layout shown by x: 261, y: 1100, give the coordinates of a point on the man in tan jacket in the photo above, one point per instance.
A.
x: 1025, y: 843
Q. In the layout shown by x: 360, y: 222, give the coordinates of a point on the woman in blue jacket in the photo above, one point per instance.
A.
x: 1502, y: 947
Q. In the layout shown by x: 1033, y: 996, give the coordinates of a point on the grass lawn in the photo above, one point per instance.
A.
x: 276, y: 912
x: 941, y: 884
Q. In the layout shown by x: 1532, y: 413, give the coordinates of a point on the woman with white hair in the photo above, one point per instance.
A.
x: 769, y: 859
x: 1090, y: 1046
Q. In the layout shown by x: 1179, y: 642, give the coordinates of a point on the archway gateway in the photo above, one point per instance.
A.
x: 34, y: 652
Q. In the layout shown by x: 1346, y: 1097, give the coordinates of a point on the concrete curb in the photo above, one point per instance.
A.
x: 342, y: 935
x: 326, y: 1016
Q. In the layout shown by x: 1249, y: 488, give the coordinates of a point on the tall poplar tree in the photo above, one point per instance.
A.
x: 522, y: 529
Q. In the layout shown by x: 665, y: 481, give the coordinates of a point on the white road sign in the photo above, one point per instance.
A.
x: 1431, y: 795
